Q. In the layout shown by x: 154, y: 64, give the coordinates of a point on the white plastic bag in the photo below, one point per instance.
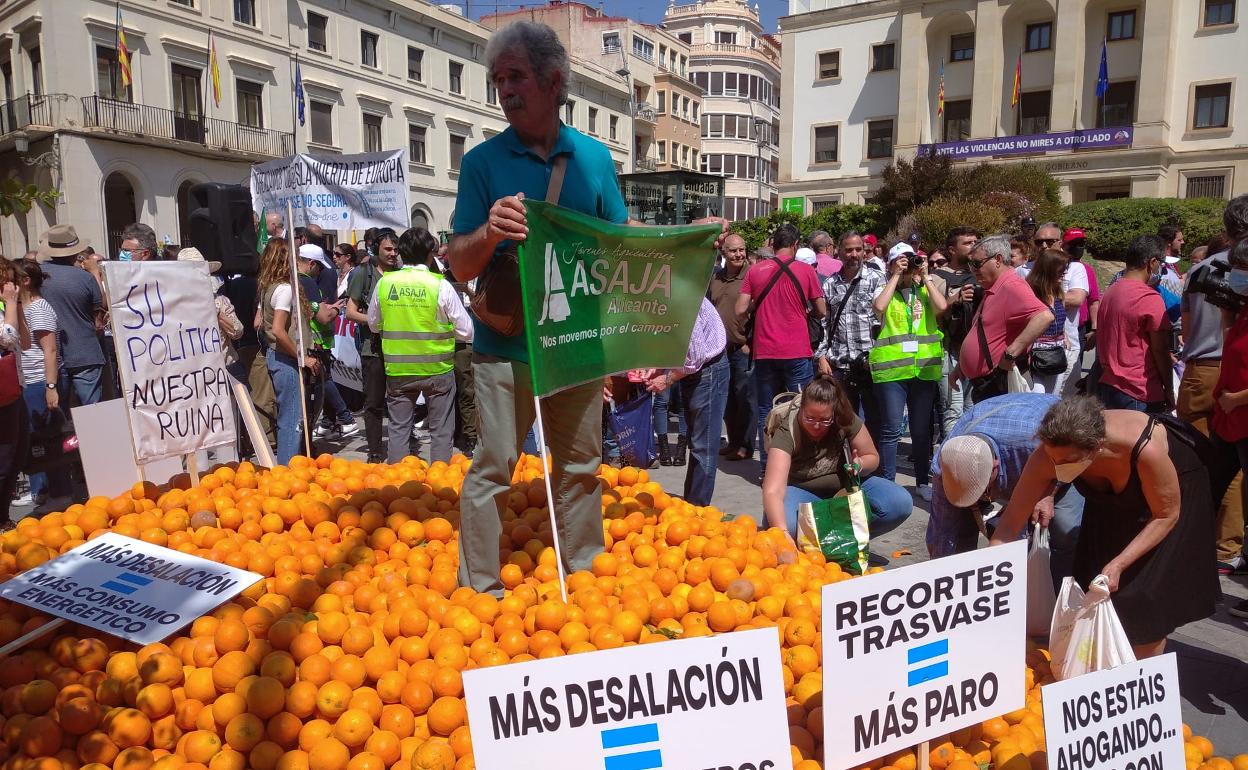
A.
x: 1017, y: 382
x: 1041, y: 598
x: 1086, y: 634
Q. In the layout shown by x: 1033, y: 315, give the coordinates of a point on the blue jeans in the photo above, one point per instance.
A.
x: 285, y: 374
x: 610, y: 441
x: 739, y: 412
x: 890, y: 505
x: 666, y: 402
x: 862, y: 401
x: 1064, y: 535
x: 1113, y: 398
x: 705, y: 395
x: 335, y: 411
x: 86, y: 382
x: 55, y: 482
x: 773, y: 376
x: 893, y: 399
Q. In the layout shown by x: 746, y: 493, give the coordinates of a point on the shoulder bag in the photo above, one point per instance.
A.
x: 497, y: 303
x: 747, y: 327
x: 814, y: 324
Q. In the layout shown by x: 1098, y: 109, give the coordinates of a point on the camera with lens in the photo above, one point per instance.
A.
x: 915, y: 262
x: 1210, y: 280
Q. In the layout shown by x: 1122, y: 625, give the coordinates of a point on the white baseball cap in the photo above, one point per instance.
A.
x: 965, y: 469
x: 311, y: 251
x: 900, y: 250
x: 806, y: 255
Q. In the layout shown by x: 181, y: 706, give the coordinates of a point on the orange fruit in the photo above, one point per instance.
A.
x: 445, y: 715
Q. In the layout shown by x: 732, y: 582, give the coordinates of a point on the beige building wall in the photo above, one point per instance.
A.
x: 1181, y: 65
x: 678, y: 132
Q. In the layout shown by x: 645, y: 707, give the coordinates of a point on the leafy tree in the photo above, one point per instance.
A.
x: 934, y: 220
x: 755, y: 231
x: 843, y: 218
x: 908, y: 184
x: 17, y: 198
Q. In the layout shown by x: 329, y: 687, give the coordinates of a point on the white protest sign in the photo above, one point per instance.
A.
x: 347, y: 369
x: 922, y: 650
x: 171, y: 357
x: 337, y: 192
x: 710, y: 702
x: 1123, y: 718
x: 128, y: 588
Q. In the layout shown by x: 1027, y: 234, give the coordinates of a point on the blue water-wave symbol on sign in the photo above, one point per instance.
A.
x: 637, y: 735
x: 126, y: 583
x: 924, y: 657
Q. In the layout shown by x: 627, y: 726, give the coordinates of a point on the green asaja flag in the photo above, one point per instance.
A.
x: 601, y: 298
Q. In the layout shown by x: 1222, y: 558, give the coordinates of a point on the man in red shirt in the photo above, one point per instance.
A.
x: 784, y: 289
x: 1009, y: 319
x: 1133, y: 335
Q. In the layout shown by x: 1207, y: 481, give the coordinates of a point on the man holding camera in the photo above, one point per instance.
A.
x: 1205, y: 294
x: 851, y: 323
x: 962, y: 300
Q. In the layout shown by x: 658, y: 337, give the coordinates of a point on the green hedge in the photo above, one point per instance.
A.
x: 1111, y: 224
x: 833, y: 219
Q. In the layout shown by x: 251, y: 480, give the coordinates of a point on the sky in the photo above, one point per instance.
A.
x: 649, y: 11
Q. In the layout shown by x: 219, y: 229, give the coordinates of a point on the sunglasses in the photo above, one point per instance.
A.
x: 978, y: 263
x: 1045, y: 242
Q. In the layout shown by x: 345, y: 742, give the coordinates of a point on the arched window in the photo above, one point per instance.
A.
x: 120, y: 209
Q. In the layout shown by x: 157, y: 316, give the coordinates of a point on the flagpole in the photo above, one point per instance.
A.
x: 294, y: 103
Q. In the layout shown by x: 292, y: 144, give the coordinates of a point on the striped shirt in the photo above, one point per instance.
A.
x: 850, y: 337
x: 40, y: 317
x: 708, y: 339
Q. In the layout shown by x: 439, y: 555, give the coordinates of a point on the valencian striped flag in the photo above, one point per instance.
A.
x: 123, y: 53
x: 940, y: 92
x: 214, y: 70
x: 1018, y: 82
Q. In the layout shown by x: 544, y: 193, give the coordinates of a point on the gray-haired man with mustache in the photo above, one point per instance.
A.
x: 530, y: 69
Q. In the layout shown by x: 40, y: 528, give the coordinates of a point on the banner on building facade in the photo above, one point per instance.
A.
x: 171, y: 357
x: 601, y: 298
x: 336, y: 192
x: 1085, y: 139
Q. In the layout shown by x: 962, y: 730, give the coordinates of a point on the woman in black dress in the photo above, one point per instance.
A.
x: 1149, y: 483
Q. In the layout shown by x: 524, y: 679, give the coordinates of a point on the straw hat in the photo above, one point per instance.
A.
x: 965, y: 469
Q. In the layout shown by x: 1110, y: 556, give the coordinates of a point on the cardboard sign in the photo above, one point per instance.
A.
x: 170, y: 356
x: 923, y: 650
x: 1124, y: 718
x: 709, y: 702
x: 128, y: 588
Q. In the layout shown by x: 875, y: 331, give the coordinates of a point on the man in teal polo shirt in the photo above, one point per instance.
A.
x: 530, y: 69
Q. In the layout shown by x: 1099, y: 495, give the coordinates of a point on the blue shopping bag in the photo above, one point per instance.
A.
x: 631, y: 422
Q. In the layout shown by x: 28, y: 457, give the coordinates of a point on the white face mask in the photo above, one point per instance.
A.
x: 1068, y: 472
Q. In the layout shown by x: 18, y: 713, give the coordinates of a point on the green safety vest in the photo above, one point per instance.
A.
x: 413, y: 342
x: 904, y: 349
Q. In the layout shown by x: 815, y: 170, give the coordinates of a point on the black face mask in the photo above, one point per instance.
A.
x: 1076, y: 251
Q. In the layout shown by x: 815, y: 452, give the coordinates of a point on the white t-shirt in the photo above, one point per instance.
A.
x: 1076, y: 277
x: 40, y: 317
x: 281, y: 297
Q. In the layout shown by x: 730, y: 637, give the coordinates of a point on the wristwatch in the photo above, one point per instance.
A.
x: 1008, y: 356
x: 50, y: 385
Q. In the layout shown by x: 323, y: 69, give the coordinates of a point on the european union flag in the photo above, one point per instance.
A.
x: 1102, y: 77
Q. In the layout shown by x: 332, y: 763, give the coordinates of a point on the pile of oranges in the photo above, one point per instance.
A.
x: 350, y: 654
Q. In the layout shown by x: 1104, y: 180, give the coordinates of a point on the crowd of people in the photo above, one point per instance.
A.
x: 1026, y: 391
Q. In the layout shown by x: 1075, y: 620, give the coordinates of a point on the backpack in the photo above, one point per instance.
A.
x: 784, y: 409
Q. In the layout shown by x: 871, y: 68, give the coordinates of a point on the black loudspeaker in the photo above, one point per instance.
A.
x: 222, y: 227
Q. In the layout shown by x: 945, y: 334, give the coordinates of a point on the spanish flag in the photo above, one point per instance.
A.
x: 214, y: 70
x: 123, y: 53
x: 1018, y: 82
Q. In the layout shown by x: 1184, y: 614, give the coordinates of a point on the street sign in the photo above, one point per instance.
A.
x: 794, y: 205
x: 1123, y: 718
x: 128, y: 588
x: 709, y: 702
x: 924, y: 650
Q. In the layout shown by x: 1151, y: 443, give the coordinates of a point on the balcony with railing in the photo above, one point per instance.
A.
x: 145, y: 121
x: 645, y: 112
x: 760, y: 52
x: 39, y: 111
x: 646, y: 164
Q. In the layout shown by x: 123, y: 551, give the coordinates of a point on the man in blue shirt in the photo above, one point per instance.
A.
x: 980, y: 462
x: 530, y: 69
